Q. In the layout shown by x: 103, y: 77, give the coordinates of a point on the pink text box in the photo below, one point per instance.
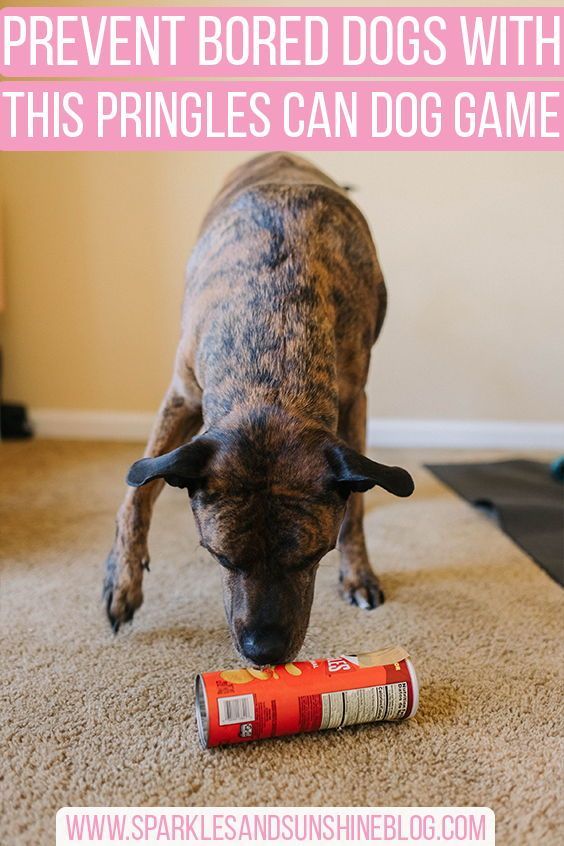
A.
x: 396, y: 26
x: 279, y: 115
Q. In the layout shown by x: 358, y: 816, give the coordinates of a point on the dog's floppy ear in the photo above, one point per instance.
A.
x: 353, y: 471
x: 183, y: 467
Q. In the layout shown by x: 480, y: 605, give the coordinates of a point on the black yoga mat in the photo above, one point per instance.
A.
x: 527, y: 501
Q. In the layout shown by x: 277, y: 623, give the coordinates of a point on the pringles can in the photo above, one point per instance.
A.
x: 236, y: 706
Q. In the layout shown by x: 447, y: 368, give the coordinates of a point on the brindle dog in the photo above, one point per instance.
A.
x: 284, y: 299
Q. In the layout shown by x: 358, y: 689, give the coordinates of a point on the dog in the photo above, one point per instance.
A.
x: 264, y: 420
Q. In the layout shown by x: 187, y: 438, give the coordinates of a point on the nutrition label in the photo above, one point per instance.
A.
x: 364, y: 705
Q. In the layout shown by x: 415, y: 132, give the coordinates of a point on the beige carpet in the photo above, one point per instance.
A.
x: 89, y: 719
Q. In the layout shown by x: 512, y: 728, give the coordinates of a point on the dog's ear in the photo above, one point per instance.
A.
x: 184, y: 467
x: 352, y: 471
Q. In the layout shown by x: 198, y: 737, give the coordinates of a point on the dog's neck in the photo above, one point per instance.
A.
x: 309, y: 409
x: 274, y: 345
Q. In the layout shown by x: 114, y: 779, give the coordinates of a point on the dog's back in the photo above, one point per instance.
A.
x: 284, y: 290
x: 283, y: 169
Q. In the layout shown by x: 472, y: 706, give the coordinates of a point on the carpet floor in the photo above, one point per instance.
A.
x: 92, y: 719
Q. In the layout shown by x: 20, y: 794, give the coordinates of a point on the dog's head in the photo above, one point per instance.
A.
x: 269, y: 496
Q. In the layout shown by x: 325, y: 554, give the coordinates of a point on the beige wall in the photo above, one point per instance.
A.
x: 471, y: 246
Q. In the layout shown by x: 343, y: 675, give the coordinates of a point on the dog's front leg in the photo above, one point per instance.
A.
x: 178, y: 420
x: 358, y: 582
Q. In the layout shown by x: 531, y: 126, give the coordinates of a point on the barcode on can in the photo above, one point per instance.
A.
x: 236, y: 709
x: 364, y: 705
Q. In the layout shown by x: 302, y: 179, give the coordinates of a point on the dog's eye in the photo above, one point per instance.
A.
x: 310, y: 560
x: 223, y: 560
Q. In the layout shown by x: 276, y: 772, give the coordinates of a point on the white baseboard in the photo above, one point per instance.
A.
x: 465, y: 434
x: 382, y: 432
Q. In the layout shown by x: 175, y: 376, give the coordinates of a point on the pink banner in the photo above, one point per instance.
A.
x: 280, y: 42
x: 280, y: 115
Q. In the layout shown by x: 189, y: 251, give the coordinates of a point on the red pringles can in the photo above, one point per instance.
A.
x: 235, y: 706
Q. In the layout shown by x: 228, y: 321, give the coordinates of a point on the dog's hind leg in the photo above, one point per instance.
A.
x: 177, y: 421
x: 359, y: 584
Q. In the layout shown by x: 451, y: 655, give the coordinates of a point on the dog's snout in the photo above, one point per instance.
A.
x: 265, y: 646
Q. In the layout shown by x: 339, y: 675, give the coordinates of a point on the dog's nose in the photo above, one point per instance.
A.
x: 265, y: 646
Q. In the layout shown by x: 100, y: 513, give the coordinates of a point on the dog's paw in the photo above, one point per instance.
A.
x: 122, y: 592
x: 361, y: 589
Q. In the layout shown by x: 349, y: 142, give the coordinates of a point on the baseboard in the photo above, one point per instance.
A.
x: 382, y: 432
x: 465, y: 434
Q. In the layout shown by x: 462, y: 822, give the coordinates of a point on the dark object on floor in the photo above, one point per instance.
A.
x: 14, y: 424
x: 557, y: 469
x: 526, y: 499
